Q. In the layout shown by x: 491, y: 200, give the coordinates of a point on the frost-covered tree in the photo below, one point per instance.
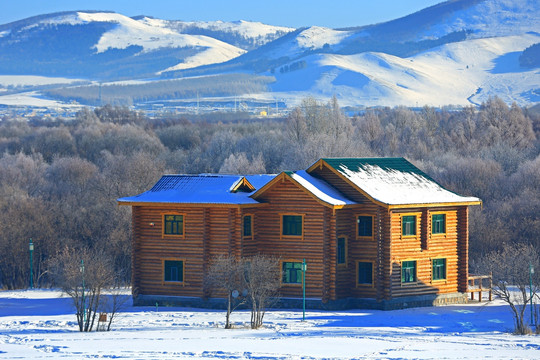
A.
x: 511, y: 278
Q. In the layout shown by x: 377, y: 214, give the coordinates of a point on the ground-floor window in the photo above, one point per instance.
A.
x: 173, y: 270
x: 292, y: 272
x: 408, y: 271
x: 439, y: 269
x: 365, y: 273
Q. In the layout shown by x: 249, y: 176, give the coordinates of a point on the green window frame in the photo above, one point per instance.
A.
x: 364, y: 273
x: 292, y: 225
x: 341, y: 250
x: 292, y: 272
x: 408, y: 225
x: 248, y: 222
x: 408, y: 271
x: 173, y: 224
x: 365, y: 226
x: 438, y: 224
x: 439, y: 269
x: 173, y: 270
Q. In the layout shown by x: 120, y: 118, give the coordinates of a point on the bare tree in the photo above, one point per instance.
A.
x: 263, y: 281
x: 83, y: 275
x: 240, y: 164
x: 510, y: 269
x: 226, y: 275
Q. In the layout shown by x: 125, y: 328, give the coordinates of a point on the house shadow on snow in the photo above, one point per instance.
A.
x: 440, y: 319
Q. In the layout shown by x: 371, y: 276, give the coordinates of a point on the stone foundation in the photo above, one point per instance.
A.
x: 296, y: 303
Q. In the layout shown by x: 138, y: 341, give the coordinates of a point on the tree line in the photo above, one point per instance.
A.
x: 59, y: 180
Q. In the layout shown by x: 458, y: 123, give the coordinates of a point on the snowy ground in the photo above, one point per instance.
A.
x: 40, y: 325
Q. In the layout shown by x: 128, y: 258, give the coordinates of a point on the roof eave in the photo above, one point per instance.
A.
x: 439, y: 204
x: 179, y: 204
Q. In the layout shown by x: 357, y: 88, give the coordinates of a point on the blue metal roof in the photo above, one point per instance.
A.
x: 199, y: 189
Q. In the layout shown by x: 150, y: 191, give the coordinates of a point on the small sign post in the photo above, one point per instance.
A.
x: 304, y: 268
x: 31, y: 248
x: 531, y: 272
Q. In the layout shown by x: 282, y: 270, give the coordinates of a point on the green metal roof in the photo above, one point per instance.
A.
x: 398, y: 163
x: 394, y: 181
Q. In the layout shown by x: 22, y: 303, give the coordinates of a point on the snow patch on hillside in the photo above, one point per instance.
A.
x: 31, y: 80
x: 248, y: 29
x: 458, y: 73
x: 211, y: 55
x: 131, y: 32
x: 316, y: 37
x: 491, y: 18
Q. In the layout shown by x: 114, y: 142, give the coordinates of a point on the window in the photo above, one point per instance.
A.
x: 408, y: 227
x: 365, y: 226
x: 365, y: 273
x: 342, y: 250
x: 438, y: 224
x: 408, y: 271
x: 247, y: 226
x: 173, y: 271
x: 173, y: 224
x: 292, y: 225
x: 439, y: 269
x: 292, y: 272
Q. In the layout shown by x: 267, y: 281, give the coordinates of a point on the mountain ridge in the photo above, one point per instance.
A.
x: 416, y: 59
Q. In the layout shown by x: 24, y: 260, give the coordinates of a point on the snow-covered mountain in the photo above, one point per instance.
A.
x: 457, y: 52
x: 108, y: 45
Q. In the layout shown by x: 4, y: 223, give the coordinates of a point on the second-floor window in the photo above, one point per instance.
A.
x: 438, y: 224
x: 341, y: 250
x: 292, y: 225
x: 248, y: 226
x: 365, y: 226
x: 173, y: 224
x: 408, y: 225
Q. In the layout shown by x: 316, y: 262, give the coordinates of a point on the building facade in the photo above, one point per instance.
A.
x: 374, y: 232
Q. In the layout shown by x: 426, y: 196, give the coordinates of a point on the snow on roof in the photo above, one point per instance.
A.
x: 396, y: 182
x: 320, y: 189
x: 197, y: 189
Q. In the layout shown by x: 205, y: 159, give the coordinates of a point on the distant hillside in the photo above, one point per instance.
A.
x: 458, y: 52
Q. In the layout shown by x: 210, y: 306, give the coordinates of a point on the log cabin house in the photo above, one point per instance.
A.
x: 374, y: 232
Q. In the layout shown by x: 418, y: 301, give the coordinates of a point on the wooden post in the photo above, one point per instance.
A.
x: 490, y: 285
x: 480, y: 292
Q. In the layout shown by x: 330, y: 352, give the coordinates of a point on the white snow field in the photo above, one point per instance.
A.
x: 40, y: 324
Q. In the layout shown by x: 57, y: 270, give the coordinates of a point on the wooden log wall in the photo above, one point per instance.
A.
x: 287, y: 198
x: 463, y: 248
x: 340, y: 184
x: 423, y: 248
x: 208, y: 232
x: 361, y: 249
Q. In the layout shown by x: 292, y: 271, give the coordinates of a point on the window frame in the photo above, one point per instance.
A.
x: 281, y: 224
x: 345, y: 251
x: 166, y: 282
x: 163, y: 226
x: 291, y: 261
x: 445, y: 267
x: 438, y: 213
x: 357, y: 222
x: 415, y: 281
x: 369, y: 285
x: 417, y: 216
x: 250, y: 227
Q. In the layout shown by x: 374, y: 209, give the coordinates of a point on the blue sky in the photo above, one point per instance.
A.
x: 293, y: 13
